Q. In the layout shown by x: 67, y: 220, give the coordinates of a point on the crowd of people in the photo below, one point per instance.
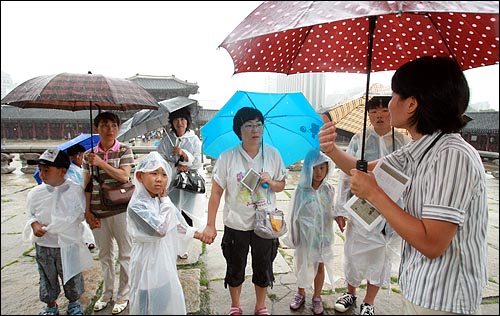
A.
x: 435, y: 233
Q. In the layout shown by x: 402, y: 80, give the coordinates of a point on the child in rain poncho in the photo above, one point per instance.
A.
x: 155, y: 225
x: 181, y: 148
x: 55, y: 214
x: 369, y: 255
x: 311, y: 229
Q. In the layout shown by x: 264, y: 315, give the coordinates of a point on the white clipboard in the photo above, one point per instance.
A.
x: 251, y: 180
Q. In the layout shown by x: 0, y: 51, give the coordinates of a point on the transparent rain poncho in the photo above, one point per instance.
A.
x: 155, y: 225
x: 311, y: 221
x: 62, y: 209
x: 193, y: 204
x: 369, y: 255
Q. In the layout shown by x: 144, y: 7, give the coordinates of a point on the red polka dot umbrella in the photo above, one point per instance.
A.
x: 363, y: 36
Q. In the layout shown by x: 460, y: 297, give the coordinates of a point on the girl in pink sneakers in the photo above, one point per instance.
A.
x: 311, y: 230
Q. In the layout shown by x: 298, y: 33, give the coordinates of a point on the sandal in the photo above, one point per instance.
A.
x: 119, y: 307
x: 261, y: 311
x: 235, y: 310
x: 183, y: 256
x: 50, y: 310
x: 75, y: 308
x: 100, y: 305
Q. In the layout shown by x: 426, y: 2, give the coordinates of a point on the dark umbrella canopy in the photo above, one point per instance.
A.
x: 363, y: 36
x: 74, y: 92
x: 148, y: 120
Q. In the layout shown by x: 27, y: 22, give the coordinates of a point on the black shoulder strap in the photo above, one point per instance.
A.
x: 97, y: 176
x: 429, y: 147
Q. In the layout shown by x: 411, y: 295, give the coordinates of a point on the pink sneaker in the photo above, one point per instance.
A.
x: 297, y: 302
x: 317, y: 306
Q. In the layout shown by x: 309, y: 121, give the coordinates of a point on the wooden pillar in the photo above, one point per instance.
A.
x: 487, y: 142
x: 33, y: 128
x: 18, y: 130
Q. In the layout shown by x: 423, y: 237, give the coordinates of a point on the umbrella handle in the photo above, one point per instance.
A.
x: 264, y: 185
x: 362, y: 165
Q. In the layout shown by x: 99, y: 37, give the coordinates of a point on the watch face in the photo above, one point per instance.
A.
x: 251, y: 180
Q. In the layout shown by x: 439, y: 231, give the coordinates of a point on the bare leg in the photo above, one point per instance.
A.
x: 371, y: 293
x: 260, y: 296
x: 235, y: 293
x: 351, y: 289
x: 319, y: 280
x: 301, y: 291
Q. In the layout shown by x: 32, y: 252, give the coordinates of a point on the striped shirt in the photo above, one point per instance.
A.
x: 117, y: 156
x: 449, y: 184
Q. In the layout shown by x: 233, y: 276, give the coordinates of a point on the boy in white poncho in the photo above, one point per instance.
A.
x: 311, y: 230
x: 368, y: 255
x: 155, y: 225
x: 56, y: 211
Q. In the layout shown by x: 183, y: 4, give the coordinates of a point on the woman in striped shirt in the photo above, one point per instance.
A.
x: 445, y: 215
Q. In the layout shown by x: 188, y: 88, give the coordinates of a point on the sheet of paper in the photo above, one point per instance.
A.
x: 388, y: 179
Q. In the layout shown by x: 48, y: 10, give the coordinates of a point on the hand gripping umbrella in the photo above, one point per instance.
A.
x: 363, y: 36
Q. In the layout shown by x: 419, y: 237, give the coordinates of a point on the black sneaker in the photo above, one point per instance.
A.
x: 366, y: 309
x: 344, y: 302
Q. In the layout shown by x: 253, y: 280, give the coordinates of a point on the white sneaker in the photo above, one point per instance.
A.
x: 344, y: 302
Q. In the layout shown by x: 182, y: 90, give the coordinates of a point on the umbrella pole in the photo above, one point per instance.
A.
x: 91, y: 135
x: 362, y: 164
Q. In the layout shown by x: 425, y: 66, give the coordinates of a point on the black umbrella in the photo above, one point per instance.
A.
x: 149, y: 120
x: 74, y: 92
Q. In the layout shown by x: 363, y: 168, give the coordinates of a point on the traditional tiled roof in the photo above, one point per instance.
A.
x: 163, y: 83
x: 482, y: 122
x: 205, y: 115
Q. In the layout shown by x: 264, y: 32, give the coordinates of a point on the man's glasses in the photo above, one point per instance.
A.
x: 249, y: 127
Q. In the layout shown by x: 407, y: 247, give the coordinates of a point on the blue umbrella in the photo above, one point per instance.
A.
x: 291, y: 125
x: 86, y: 140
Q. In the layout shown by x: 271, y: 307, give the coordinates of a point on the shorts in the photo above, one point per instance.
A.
x: 50, y: 269
x: 235, y: 246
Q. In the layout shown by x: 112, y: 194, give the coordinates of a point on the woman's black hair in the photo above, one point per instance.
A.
x: 184, y: 113
x: 441, y: 90
x: 243, y: 115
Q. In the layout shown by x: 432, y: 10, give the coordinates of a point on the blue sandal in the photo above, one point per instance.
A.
x: 50, y: 310
x: 75, y: 308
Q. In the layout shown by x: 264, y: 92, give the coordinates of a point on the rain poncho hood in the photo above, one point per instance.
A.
x: 314, y: 158
x: 311, y: 223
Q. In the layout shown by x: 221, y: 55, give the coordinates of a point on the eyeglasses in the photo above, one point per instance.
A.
x: 249, y: 127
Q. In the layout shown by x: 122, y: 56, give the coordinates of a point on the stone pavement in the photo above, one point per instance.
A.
x: 203, y: 272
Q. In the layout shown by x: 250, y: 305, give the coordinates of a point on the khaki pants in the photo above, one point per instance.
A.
x: 114, y: 229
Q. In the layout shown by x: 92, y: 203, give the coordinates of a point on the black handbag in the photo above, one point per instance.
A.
x: 190, y: 181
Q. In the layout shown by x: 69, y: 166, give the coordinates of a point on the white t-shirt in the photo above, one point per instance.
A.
x: 230, y: 168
